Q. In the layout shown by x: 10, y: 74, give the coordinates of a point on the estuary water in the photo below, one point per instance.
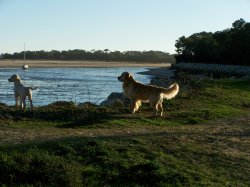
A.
x: 66, y: 84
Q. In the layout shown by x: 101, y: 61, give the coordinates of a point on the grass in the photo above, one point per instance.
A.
x: 202, y: 140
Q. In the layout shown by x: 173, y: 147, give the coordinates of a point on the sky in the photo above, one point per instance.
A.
x: 111, y: 24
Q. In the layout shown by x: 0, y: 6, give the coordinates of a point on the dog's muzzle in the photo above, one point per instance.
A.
x: 119, y: 78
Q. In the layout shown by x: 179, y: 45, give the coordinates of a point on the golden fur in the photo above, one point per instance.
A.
x: 21, y: 91
x: 138, y: 93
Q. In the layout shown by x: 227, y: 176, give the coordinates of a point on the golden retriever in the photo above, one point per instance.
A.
x: 21, y: 91
x: 138, y: 93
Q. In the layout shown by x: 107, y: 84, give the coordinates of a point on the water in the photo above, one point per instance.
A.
x: 66, y: 84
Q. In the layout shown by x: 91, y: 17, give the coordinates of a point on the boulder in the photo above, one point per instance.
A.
x: 114, y: 103
x: 62, y: 104
x: 86, y: 105
x: 3, y: 105
x: 246, y: 78
x: 114, y: 95
x: 116, y: 99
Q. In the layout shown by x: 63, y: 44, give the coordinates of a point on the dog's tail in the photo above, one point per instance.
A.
x: 32, y: 88
x: 170, y: 92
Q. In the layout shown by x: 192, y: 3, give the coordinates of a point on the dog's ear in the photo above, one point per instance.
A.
x: 128, y: 75
x: 18, y: 78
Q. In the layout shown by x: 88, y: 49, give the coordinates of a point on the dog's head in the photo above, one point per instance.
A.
x: 125, y: 77
x: 14, y: 78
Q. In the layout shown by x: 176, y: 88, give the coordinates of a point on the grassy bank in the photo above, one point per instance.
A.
x: 202, y: 140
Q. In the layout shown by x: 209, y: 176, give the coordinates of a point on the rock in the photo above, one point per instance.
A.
x: 116, y: 100
x: 86, y: 105
x: 246, y: 78
x: 114, y: 95
x: 62, y: 103
x: 3, y: 105
x: 115, y: 103
x: 232, y: 78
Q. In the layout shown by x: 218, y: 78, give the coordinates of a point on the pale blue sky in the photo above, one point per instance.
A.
x: 113, y: 24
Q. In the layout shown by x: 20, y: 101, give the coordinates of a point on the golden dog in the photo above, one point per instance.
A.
x: 138, y: 93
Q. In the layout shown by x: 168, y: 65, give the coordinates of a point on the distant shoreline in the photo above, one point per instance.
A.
x: 76, y: 64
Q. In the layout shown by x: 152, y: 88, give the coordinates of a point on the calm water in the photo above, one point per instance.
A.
x: 66, y: 84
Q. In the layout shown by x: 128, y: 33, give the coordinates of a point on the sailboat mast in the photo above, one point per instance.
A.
x: 25, y: 66
x: 24, y: 54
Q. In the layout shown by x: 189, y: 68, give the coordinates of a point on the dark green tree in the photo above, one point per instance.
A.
x: 230, y: 46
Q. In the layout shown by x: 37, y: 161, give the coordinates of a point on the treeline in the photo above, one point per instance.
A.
x: 230, y: 46
x: 78, y: 54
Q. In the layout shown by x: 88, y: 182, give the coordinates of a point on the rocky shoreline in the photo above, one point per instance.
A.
x: 207, y: 69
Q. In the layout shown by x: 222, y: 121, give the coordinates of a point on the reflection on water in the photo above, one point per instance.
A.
x: 66, y: 84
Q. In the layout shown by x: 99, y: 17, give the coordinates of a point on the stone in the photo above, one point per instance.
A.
x: 86, y: 105
x: 116, y: 100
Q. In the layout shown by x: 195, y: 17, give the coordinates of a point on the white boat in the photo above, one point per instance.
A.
x: 25, y: 66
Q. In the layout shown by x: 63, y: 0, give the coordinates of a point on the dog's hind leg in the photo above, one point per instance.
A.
x: 30, y: 99
x: 159, y: 107
x: 137, y: 105
x: 133, y: 106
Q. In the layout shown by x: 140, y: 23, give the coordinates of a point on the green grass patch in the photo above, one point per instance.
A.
x: 127, y: 161
x: 203, y: 101
x: 176, y: 156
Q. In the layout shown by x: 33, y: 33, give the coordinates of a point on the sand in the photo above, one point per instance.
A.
x: 75, y: 64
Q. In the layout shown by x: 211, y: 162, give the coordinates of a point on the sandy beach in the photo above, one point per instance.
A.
x: 75, y: 64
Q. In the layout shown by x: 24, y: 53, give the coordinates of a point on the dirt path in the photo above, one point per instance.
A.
x: 235, y: 129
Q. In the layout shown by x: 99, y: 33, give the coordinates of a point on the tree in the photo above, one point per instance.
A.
x: 238, y: 23
x: 230, y: 46
x: 78, y: 54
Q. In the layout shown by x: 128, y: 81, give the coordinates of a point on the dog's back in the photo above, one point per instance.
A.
x: 146, y: 92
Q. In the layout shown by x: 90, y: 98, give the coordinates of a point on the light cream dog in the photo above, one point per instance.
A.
x: 21, y: 91
x: 138, y: 93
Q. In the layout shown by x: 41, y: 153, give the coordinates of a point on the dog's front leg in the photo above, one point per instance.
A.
x: 155, y: 108
x: 31, y: 103
x: 23, y: 103
x: 160, y: 108
x: 16, y: 100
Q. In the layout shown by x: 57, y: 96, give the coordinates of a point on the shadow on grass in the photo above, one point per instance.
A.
x: 158, y: 159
